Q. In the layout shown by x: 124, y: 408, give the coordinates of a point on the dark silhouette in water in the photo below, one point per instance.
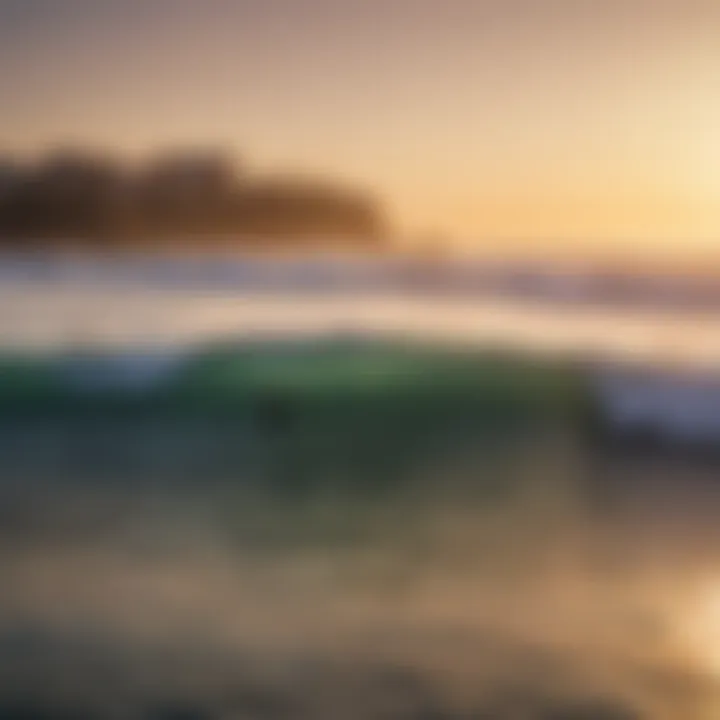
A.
x: 275, y: 710
x: 273, y: 414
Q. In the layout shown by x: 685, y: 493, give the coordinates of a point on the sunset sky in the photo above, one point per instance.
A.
x: 546, y: 121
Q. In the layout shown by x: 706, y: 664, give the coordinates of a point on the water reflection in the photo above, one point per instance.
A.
x: 202, y: 567
x: 38, y: 316
x: 490, y: 582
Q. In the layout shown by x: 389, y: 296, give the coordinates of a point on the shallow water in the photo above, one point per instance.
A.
x: 127, y: 593
x: 140, y: 581
x: 136, y: 304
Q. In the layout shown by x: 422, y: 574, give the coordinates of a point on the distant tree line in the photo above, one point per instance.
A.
x: 84, y: 196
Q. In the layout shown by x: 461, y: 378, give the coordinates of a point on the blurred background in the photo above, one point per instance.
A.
x: 359, y: 360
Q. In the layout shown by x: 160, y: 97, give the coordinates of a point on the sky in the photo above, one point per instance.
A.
x: 536, y: 123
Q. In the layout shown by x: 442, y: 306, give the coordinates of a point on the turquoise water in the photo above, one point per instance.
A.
x: 343, y: 529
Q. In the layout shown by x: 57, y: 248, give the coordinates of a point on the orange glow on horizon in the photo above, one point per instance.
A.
x: 555, y: 122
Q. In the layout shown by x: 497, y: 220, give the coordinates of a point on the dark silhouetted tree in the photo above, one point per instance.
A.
x: 69, y: 195
x: 79, y: 195
x: 292, y: 208
x: 187, y: 192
